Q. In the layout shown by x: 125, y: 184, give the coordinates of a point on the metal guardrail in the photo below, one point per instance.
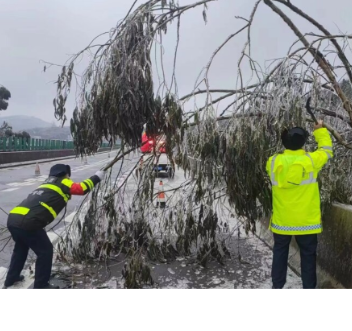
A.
x: 12, y: 144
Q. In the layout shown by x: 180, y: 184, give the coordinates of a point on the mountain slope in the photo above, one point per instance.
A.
x: 51, y: 133
x: 24, y: 123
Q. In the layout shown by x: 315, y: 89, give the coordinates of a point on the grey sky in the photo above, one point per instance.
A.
x: 50, y: 30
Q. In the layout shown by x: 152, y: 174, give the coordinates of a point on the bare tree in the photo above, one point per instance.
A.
x: 5, y: 95
x: 223, y: 157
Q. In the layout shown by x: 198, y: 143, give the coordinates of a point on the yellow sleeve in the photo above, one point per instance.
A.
x: 324, y: 151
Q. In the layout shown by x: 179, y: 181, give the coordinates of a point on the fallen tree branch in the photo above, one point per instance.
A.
x: 119, y: 157
x: 340, y: 52
x: 321, y: 61
x: 336, y: 135
x: 334, y: 114
x: 214, y: 91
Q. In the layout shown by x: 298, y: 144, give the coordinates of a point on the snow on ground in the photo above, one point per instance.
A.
x: 252, y: 272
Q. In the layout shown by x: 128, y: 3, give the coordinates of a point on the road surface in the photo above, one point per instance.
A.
x: 254, y: 272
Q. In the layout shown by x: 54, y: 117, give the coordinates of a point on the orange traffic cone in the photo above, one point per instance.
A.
x: 37, y: 170
x: 161, y: 201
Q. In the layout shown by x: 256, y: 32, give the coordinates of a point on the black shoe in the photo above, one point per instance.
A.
x: 19, y: 279
x: 51, y: 287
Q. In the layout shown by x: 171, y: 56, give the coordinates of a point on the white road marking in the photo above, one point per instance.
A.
x: 10, y: 189
x: 84, y: 167
x: 70, y: 217
x: 3, y: 272
x: 20, y: 184
x: 52, y: 236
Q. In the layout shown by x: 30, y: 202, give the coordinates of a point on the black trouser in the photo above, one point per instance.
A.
x: 308, y: 250
x: 39, y: 242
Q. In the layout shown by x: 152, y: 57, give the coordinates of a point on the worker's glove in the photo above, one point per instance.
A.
x: 100, y: 174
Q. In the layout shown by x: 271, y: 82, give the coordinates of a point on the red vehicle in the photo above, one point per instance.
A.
x: 149, y: 143
x: 161, y: 162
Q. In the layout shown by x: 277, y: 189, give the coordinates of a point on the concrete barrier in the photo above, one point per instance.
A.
x: 13, y: 157
x: 334, y: 256
x: 335, y: 244
x: 23, y: 156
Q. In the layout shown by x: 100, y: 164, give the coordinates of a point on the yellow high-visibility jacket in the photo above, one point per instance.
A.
x: 296, y: 197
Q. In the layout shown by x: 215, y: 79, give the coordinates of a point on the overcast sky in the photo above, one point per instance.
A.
x: 50, y: 30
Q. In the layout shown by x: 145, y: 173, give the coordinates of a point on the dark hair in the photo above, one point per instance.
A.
x: 294, y: 138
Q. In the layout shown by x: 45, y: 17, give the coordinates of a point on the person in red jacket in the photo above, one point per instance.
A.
x: 27, y: 221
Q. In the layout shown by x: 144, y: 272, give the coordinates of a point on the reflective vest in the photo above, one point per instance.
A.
x: 296, y: 197
x: 43, y: 205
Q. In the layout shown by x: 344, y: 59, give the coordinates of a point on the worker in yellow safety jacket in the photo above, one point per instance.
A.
x: 296, y: 201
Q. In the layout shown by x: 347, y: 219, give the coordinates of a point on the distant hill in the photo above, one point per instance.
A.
x: 24, y: 123
x: 51, y: 133
x: 37, y: 127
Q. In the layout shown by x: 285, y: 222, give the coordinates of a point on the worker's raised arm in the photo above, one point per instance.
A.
x: 324, y: 151
x: 84, y: 187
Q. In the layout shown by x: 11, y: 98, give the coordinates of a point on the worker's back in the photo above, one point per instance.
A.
x: 41, y: 206
x: 296, y: 198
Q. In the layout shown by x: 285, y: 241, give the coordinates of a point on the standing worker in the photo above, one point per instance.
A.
x: 296, y: 201
x: 27, y: 221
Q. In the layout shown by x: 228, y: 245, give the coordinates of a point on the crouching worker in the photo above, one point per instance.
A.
x: 27, y: 221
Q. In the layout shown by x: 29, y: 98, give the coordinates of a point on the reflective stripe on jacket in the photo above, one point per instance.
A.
x: 43, y: 205
x: 296, y: 197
